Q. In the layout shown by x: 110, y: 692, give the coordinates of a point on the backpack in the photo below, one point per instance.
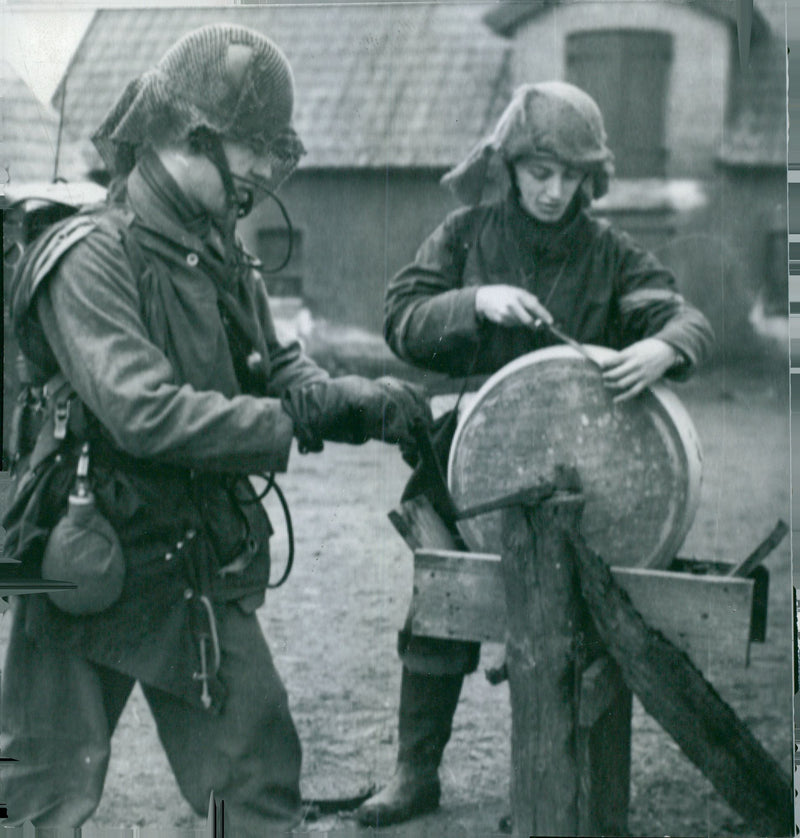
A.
x: 37, y: 235
x: 42, y: 434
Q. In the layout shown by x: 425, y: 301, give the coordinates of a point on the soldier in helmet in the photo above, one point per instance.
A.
x: 523, y: 253
x: 166, y: 386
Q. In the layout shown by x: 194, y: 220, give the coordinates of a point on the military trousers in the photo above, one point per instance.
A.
x: 59, y: 712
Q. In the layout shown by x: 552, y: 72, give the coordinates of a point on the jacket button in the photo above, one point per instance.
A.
x: 192, y: 260
x: 169, y: 557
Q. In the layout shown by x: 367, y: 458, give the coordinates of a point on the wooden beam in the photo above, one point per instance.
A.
x: 543, y: 621
x: 749, y: 564
x: 674, y: 692
x: 460, y: 596
x: 601, y: 685
x: 603, y: 743
x: 420, y: 526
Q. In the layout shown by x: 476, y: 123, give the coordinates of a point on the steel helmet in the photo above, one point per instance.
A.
x: 551, y: 118
x: 224, y: 78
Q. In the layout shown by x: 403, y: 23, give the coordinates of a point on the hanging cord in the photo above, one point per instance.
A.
x: 272, y: 485
x: 205, y: 141
x: 253, y: 185
x: 209, y: 143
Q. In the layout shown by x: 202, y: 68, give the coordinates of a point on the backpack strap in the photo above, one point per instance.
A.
x: 42, y: 257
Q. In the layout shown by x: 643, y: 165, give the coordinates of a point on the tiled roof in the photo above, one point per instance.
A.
x: 756, y: 130
x: 376, y: 85
x: 28, y: 130
x: 29, y: 133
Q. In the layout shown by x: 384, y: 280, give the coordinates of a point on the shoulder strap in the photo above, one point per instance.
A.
x: 40, y: 259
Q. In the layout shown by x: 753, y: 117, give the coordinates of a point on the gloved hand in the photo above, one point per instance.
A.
x: 353, y: 409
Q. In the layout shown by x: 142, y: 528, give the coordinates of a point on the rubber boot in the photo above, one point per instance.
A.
x: 427, y: 706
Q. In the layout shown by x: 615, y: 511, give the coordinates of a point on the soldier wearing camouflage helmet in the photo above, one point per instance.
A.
x: 166, y: 386
x: 524, y: 252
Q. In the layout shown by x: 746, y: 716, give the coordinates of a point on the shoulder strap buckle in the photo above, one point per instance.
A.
x: 61, y: 419
x: 59, y: 391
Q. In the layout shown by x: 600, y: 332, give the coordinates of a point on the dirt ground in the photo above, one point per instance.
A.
x: 332, y: 631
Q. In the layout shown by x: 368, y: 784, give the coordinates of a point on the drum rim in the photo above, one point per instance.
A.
x: 667, y: 404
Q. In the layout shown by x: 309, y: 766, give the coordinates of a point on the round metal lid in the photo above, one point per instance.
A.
x: 639, y: 462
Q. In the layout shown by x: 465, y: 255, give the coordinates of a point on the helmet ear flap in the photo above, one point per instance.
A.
x: 588, y: 190
x: 512, y: 177
x: 601, y: 178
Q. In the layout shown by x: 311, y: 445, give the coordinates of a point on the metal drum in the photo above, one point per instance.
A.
x: 639, y: 461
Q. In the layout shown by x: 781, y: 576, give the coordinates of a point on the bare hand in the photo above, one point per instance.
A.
x: 508, y: 305
x: 631, y: 370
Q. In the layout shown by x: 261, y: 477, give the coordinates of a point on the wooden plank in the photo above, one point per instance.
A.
x: 460, y: 596
x: 675, y: 693
x: 708, y: 617
x: 420, y: 526
x: 751, y: 562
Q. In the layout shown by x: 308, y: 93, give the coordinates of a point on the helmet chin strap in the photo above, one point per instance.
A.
x: 248, y: 190
x: 238, y: 202
x: 209, y: 143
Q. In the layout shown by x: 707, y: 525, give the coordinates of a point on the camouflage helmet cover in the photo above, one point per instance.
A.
x: 224, y: 77
x: 552, y: 118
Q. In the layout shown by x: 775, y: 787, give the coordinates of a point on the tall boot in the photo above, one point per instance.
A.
x: 427, y: 706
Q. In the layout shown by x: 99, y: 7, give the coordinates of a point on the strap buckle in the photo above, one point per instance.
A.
x: 61, y: 418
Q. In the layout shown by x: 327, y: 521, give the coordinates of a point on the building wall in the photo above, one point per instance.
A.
x: 719, y: 256
x: 359, y: 227
x: 752, y: 207
x: 697, y: 98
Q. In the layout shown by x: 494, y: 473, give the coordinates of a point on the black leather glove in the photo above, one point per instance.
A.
x: 353, y: 409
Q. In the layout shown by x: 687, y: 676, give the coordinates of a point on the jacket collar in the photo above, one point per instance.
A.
x: 163, y: 210
x: 161, y: 206
x: 550, y: 240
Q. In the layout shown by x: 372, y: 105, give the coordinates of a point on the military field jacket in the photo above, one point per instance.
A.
x: 181, y: 420
x: 600, y: 287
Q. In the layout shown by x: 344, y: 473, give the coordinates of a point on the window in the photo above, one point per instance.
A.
x: 626, y: 71
x: 272, y: 245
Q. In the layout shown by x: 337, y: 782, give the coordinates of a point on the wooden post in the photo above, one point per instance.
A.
x: 595, y: 709
x: 544, y: 616
x: 604, y: 750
